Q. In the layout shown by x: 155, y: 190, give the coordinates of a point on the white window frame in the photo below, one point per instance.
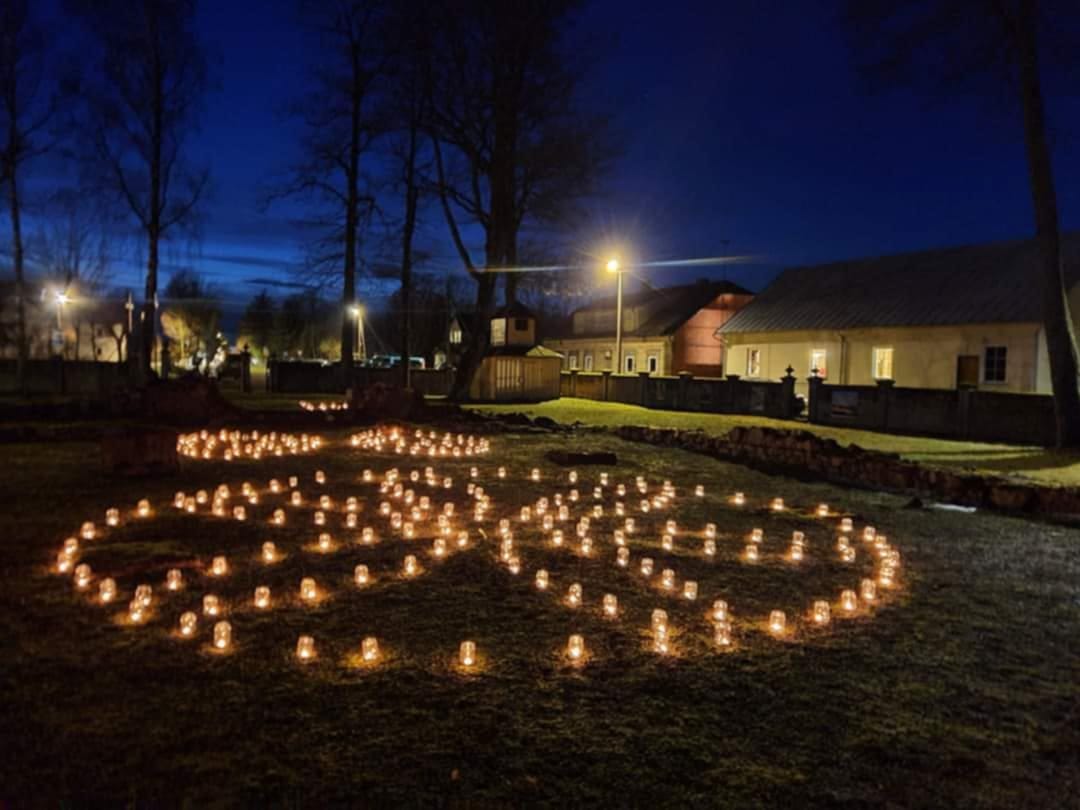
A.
x: 874, y: 362
x: 823, y: 367
x: 629, y: 362
x: 571, y: 360
x: 753, y: 363
x: 1005, y: 369
x: 587, y: 362
x: 498, y: 331
x: 455, y: 335
x: 652, y: 363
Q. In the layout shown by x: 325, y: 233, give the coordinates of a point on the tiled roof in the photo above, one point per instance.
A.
x: 990, y: 283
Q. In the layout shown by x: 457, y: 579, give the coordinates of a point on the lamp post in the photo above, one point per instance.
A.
x: 613, y: 267
x: 358, y: 315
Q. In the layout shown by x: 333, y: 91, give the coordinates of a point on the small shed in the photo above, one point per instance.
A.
x: 517, y: 374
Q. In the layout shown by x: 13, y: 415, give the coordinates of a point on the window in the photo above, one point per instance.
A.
x: 883, y: 363
x: 753, y: 362
x: 629, y: 364
x: 654, y: 363
x: 818, y: 358
x: 588, y: 361
x: 498, y: 332
x: 455, y: 335
x: 573, y: 360
x: 994, y: 364
x: 521, y: 324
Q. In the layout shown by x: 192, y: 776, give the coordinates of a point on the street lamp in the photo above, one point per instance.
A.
x: 357, y: 313
x: 613, y: 267
x: 61, y: 299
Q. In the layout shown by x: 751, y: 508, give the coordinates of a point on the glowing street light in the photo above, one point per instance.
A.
x: 357, y: 314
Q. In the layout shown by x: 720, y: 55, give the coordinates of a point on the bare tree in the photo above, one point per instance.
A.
x: 339, y: 125
x: 153, y: 76
x: 510, y: 146
x: 963, y: 45
x: 26, y: 109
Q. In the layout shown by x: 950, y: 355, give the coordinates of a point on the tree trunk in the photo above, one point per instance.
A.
x: 477, y: 347
x: 352, y: 225
x: 1057, y: 320
x: 22, y: 354
x: 411, y: 200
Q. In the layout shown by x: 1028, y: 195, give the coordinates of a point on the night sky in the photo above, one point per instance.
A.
x: 744, y: 130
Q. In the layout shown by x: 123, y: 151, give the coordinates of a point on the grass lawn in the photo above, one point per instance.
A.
x: 1038, y: 463
x: 959, y: 690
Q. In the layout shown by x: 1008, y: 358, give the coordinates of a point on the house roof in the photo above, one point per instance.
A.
x: 676, y: 305
x: 988, y: 283
x: 514, y: 310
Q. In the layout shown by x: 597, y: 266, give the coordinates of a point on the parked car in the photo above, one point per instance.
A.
x: 393, y: 361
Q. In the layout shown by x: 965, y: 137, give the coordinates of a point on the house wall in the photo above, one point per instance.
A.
x: 697, y: 346
x: 923, y: 357
x: 602, y: 351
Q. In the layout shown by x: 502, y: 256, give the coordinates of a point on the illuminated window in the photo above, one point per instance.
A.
x: 654, y: 363
x: 572, y: 359
x: 753, y: 362
x: 883, y: 363
x: 588, y: 361
x: 455, y: 335
x: 498, y: 332
x: 818, y: 360
x: 629, y: 364
x: 994, y: 364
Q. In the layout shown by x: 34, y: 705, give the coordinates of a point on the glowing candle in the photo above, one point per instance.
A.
x: 868, y: 590
x: 822, y: 510
x: 845, y: 524
x: 240, y: 513
x: 777, y: 622
x: 722, y: 634
x: 611, y: 605
x: 367, y: 536
x: 262, y: 597
x: 360, y: 575
x: 667, y: 579
x: 320, y: 477
x: 629, y: 525
x: 71, y: 547
x: 144, y: 595
x: 174, y: 579
x: 189, y: 622
x: 87, y: 531
x: 112, y: 517
x: 719, y: 610
x: 143, y: 508
x: 622, y: 556
x: 222, y: 635
x: 309, y: 592
x: 501, y: 472
x: 573, y: 595
x: 462, y: 538
x: 689, y: 590
x: 586, y: 546
x: 305, y: 648
x: 369, y: 649
x: 751, y: 553
x: 63, y: 563
x: 324, y: 541
x: 219, y: 567
x: 848, y: 601
x: 107, y: 590
x: 136, y: 611
x: 603, y: 479
x: 178, y: 500
x: 757, y: 535
x: 279, y: 517
x: 777, y: 505
x: 535, y: 474
x: 869, y: 533
x: 410, y: 566
x: 739, y: 499
x: 847, y: 554
x: 699, y: 491
x: 710, y: 548
x: 467, y: 653
x: 667, y: 542
x: 211, y: 605
x: 646, y: 566
x: 796, y: 553
x: 575, y: 648
x: 557, y: 537
x: 513, y: 563
x: 269, y: 552
x: 821, y: 612
x: 82, y: 576
x: 542, y: 580
x: 438, y: 547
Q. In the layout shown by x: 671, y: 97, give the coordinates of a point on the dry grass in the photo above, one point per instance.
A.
x: 960, y: 691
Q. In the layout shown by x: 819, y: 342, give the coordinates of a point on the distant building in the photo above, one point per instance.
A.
x: 515, y: 368
x: 88, y: 328
x: 664, y: 331
x: 968, y: 316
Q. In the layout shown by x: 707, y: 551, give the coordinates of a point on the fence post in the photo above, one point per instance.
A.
x: 787, y: 393
x: 965, y: 399
x: 813, y: 397
x: 245, y: 369
x: 885, y: 395
x: 682, y: 402
x: 607, y: 384
x: 573, y: 382
x: 643, y: 389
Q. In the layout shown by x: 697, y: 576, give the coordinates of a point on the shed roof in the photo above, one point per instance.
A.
x: 988, y: 283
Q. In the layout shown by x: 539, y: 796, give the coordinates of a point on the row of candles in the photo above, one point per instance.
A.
x: 377, y: 440
x: 236, y: 444
x: 324, y: 405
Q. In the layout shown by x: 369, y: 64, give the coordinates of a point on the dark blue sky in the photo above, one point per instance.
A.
x: 744, y: 129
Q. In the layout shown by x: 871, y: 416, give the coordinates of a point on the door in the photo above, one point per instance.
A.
x: 967, y: 370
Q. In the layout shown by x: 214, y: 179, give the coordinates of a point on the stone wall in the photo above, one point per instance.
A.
x: 802, y: 454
